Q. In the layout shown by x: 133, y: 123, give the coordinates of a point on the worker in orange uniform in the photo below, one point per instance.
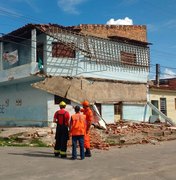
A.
x: 61, y: 118
x: 89, y: 118
x: 77, y: 131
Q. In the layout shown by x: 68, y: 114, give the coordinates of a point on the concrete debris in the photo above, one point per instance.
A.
x: 119, y: 134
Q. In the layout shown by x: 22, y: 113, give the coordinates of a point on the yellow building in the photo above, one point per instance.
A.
x: 163, y: 97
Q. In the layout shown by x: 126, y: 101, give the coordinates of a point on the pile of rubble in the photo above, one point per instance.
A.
x: 126, y: 133
x: 119, y: 134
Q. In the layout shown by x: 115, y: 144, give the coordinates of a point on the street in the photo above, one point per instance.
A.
x: 135, y: 162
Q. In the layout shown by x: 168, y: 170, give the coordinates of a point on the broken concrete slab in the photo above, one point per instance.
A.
x: 79, y: 89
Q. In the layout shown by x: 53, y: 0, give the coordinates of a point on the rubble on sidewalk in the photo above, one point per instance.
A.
x: 119, y: 134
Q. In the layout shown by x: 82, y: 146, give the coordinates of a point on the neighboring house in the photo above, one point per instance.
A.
x: 163, y: 97
x: 114, y: 60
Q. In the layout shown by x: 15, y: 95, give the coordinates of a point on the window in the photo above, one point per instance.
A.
x: 60, y: 50
x: 58, y: 99
x: 128, y: 58
x: 163, y: 107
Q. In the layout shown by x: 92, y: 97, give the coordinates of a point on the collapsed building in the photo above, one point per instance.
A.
x: 41, y: 65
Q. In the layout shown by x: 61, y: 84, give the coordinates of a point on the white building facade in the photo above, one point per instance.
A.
x: 122, y: 60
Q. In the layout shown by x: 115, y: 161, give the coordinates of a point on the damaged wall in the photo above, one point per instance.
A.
x: 136, y: 32
x: 78, y: 90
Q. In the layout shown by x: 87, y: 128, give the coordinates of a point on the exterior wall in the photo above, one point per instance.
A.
x: 18, y: 73
x: 108, y: 113
x: 25, y: 67
x: 132, y: 31
x: 135, y: 112
x: 170, y: 101
x: 87, y: 68
x: 24, y: 53
x: 22, y: 105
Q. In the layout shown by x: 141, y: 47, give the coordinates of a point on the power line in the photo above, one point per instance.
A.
x: 17, y: 15
x: 50, y: 51
x: 22, y: 38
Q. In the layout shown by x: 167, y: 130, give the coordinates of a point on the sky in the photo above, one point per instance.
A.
x: 159, y: 16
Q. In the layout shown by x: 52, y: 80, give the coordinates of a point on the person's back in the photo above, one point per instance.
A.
x: 61, y: 117
x: 78, y: 126
x: 77, y: 131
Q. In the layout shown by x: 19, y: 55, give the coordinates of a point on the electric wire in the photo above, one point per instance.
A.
x: 22, y: 38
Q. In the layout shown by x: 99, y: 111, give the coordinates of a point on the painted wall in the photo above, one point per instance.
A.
x: 84, y: 67
x: 170, y: 101
x: 107, y: 112
x: 18, y: 73
x: 81, y: 66
x: 24, y: 53
x: 20, y: 104
x: 135, y: 112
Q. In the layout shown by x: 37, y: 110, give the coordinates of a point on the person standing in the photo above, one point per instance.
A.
x: 89, y: 118
x: 77, y: 131
x: 61, y: 118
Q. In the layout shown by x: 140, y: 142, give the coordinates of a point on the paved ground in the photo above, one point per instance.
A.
x: 136, y: 162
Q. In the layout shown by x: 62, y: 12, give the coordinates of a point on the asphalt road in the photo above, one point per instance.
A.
x: 135, y: 162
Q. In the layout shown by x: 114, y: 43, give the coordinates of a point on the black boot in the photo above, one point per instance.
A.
x: 56, y: 154
x: 88, y: 153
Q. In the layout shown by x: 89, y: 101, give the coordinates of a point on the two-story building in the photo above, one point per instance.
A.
x: 40, y: 65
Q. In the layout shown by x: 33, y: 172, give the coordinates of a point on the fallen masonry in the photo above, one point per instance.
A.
x: 119, y: 134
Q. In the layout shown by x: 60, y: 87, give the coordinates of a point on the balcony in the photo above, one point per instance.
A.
x: 19, y: 74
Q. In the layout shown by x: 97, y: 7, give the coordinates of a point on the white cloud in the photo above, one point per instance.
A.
x: 69, y: 6
x: 125, y: 21
x: 168, y: 74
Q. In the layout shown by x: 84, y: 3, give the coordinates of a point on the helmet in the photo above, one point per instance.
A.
x: 85, y: 103
x: 62, y: 103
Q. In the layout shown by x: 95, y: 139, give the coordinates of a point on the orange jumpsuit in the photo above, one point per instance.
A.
x: 89, y: 118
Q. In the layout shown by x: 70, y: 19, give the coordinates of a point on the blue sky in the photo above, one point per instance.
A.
x: 158, y: 15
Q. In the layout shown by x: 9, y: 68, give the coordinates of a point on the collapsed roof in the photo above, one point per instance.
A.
x: 79, y: 89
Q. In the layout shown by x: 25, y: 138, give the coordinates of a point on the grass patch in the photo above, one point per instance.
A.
x: 10, y: 142
x: 15, y: 141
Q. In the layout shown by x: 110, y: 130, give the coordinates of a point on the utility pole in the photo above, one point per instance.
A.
x: 157, y: 75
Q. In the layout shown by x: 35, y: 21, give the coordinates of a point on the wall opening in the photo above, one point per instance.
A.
x: 58, y: 99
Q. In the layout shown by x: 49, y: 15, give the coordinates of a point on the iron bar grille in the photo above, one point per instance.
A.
x: 103, y: 51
